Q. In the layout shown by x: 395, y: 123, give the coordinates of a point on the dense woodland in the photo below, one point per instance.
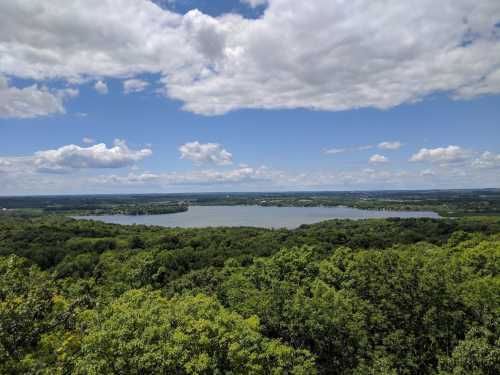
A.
x: 395, y: 296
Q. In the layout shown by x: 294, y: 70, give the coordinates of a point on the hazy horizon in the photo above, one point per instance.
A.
x: 276, y: 192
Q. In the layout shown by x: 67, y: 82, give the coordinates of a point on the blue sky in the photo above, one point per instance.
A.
x: 215, y: 7
x: 212, y: 122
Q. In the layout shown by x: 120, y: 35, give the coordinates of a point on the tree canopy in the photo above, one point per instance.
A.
x: 413, y: 296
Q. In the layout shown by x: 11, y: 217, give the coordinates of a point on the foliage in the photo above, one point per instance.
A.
x: 412, y: 296
x: 142, y: 332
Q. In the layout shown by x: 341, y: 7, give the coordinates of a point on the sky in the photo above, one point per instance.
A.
x: 135, y: 96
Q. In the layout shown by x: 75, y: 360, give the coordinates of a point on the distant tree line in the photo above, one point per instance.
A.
x: 453, y: 203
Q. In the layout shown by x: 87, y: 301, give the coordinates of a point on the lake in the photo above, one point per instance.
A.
x: 254, y: 216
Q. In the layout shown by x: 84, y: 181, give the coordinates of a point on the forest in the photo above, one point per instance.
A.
x: 392, y: 296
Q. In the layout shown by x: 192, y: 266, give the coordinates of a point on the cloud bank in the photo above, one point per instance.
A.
x: 321, y: 54
x: 79, y: 169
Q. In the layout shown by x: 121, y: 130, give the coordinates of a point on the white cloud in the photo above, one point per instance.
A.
x: 201, y: 178
x: 101, y: 87
x: 427, y: 173
x: 134, y: 85
x: 334, y: 151
x: 31, y: 101
x: 489, y: 84
x: 69, y: 92
x: 365, y: 147
x: 487, y: 160
x: 377, y: 159
x: 4, y: 164
x: 144, y: 178
x: 396, y: 145
x: 88, y: 38
x: 20, y: 177
x: 344, y: 55
x: 88, y: 140
x: 205, y: 153
x: 442, y: 155
x: 73, y: 157
x: 237, y: 175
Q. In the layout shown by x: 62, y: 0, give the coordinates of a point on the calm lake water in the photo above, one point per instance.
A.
x: 254, y: 216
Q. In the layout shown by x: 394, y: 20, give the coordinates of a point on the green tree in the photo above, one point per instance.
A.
x: 477, y: 354
x: 144, y: 333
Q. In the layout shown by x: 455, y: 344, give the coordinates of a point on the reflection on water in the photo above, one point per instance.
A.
x: 254, y: 216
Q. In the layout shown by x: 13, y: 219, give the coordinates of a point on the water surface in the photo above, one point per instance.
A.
x: 254, y: 216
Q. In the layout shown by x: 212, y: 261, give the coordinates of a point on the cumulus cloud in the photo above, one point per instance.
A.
x: 344, y: 55
x: 97, y: 156
x: 442, y: 155
x: 377, y: 159
x: 31, y: 101
x: 205, y: 153
x: 396, y: 145
x: 101, y: 87
x: 134, y: 85
x: 73, y: 157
